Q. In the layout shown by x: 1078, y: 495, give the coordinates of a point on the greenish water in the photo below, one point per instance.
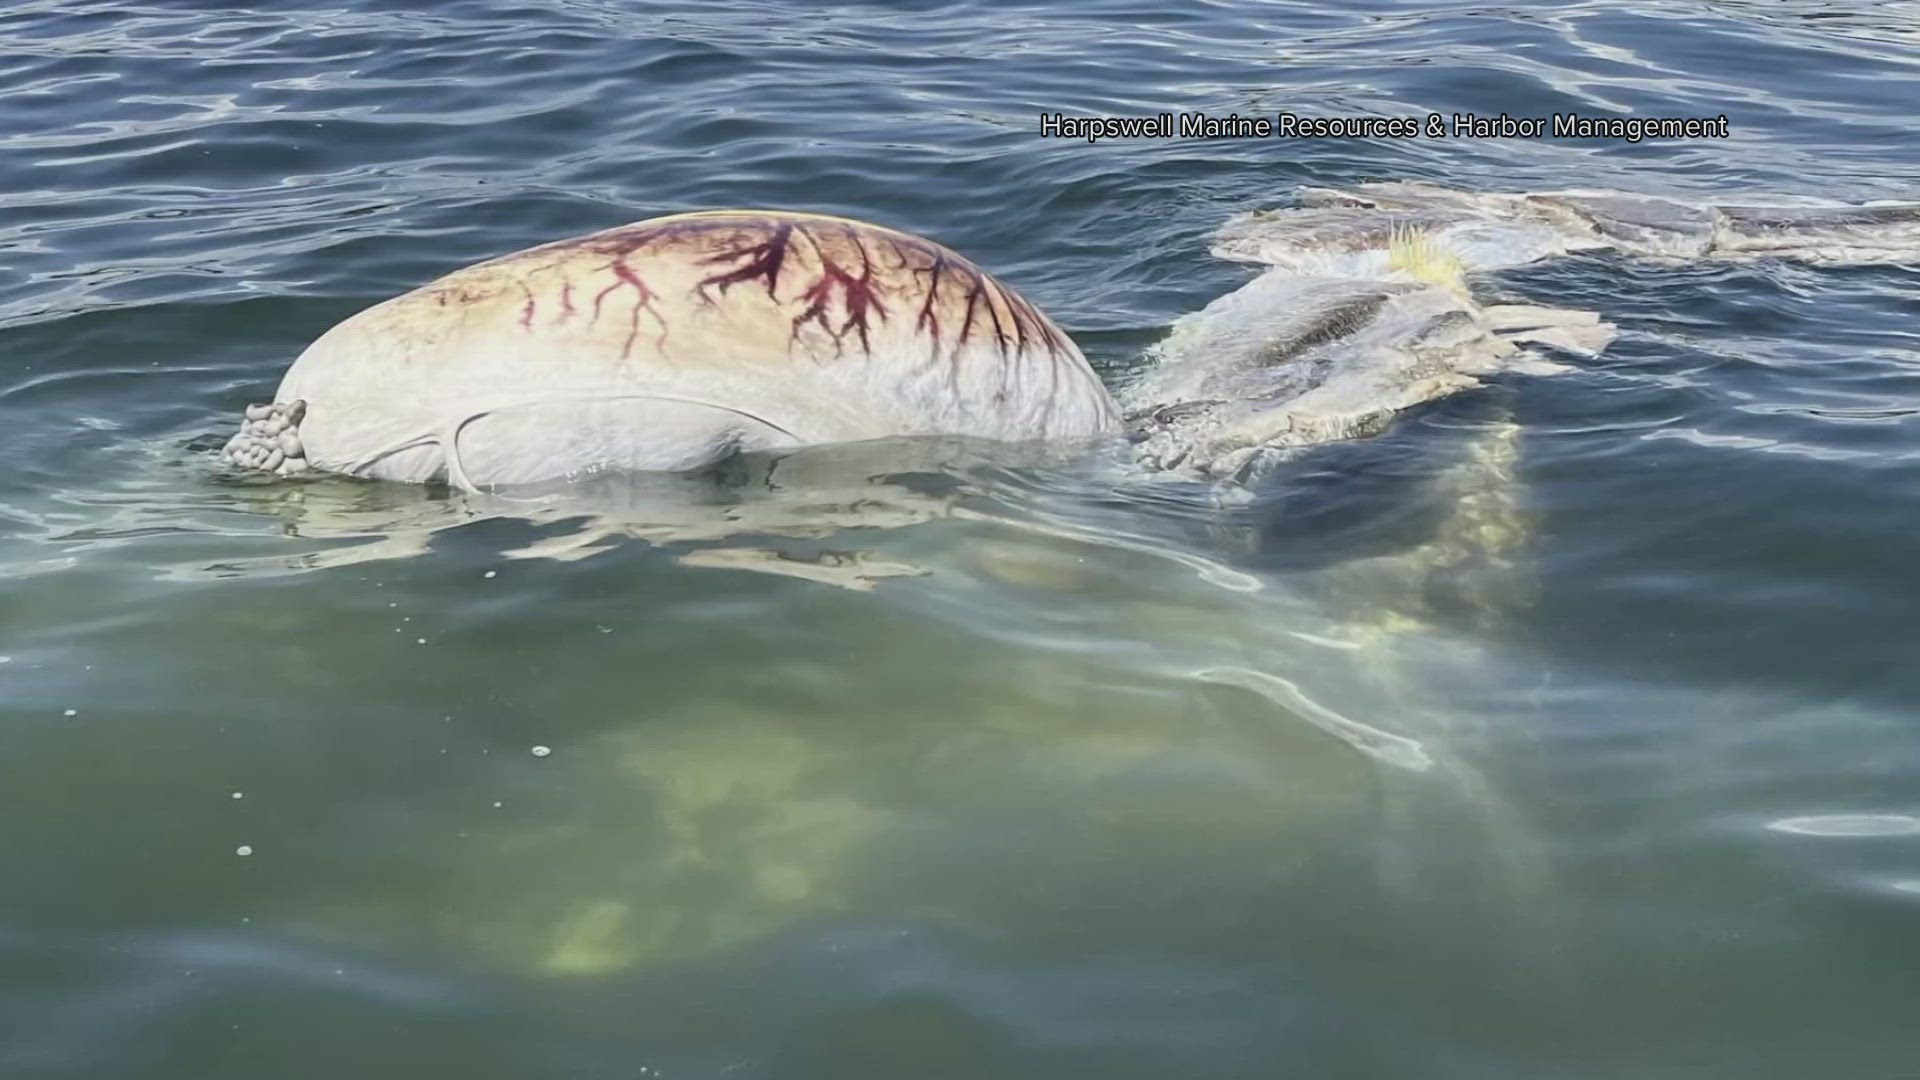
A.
x: 1565, y: 730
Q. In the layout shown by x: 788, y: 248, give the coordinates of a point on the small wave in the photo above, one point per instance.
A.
x: 1395, y: 750
x: 1849, y: 825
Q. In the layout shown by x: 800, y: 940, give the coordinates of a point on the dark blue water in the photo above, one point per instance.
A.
x: 1566, y: 730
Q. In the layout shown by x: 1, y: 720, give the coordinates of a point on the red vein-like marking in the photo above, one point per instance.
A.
x: 843, y: 299
x: 1028, y: 323
x: 1018, y: 315
x: 900, y: 248
x: 858, y: 299
x: 857, y: 305
x: 763, y: 261
x: 966, y: 322
x: 643, y: 301
x: 980, y: 296
x: 1022, y: 315
x: 530, y: 308
x: 1000, y: 338
x: 526, y: 309
x: 929, y: 318
x: 999, y: 328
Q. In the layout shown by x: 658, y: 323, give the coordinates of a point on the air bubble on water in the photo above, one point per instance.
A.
x: 239, y: 794
x: 497, y: 805
x: 72, y: 712
x: 243, y: 849
x: 420, y: 641
x: 542, y: 751
x: 492, y: 573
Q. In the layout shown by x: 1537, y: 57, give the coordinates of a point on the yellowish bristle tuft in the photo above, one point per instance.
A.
x: 1423, y: 258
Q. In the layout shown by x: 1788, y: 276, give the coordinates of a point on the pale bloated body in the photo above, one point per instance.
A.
x: 673, y: 343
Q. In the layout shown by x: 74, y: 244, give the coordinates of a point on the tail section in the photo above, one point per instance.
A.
x: 1489, y: 230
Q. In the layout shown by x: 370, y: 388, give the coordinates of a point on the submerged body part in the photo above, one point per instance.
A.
x: 1293, y: 360
x: 1363, y: 308
x: 1350, y: 228
x: 671, y: 344
x: 674, y: 343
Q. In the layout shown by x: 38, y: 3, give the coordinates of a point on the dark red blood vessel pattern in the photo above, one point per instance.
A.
x: 847, y: 292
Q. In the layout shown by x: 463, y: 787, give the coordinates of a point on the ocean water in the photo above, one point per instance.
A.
x: 1567, y: 729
